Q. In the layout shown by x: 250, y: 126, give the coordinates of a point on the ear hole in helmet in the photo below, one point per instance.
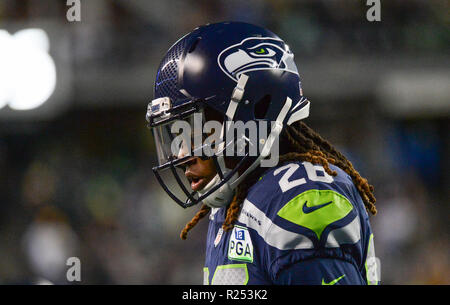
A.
x: 262, y: 106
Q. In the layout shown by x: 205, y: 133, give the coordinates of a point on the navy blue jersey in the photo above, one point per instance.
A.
x: 298, y: 225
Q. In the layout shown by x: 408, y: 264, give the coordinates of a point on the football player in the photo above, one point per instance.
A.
x: 304, y: 220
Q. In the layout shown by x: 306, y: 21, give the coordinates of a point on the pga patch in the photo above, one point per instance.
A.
x: 240, y: 247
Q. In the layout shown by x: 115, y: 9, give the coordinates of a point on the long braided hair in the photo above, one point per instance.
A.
x: 303, y: 144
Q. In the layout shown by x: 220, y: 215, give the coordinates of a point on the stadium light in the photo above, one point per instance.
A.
x: 27, y: 71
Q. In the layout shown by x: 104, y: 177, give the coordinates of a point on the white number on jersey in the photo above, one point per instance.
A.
x: 311, y: 170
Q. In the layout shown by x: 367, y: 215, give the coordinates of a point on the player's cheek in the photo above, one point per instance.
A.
x: 208, y: 168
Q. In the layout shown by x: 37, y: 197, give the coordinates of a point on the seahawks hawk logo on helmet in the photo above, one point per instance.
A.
x: 256, y: 53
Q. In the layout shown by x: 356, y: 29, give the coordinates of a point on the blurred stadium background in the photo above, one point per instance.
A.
x: 75, y: 173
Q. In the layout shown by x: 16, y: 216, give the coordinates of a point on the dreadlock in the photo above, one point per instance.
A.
x: 304, y: 144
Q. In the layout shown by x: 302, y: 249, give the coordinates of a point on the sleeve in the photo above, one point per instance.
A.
x: 320, y: 271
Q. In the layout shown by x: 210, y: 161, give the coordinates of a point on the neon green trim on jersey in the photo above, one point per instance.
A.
x: 333, y: 282
x: 205, y: 276
x: 323, y: 207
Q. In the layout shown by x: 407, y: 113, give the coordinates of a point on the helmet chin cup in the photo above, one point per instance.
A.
x: 223, y: 195
x: 220, y: 197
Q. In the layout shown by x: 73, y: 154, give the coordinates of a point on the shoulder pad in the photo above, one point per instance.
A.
x: 316, y: 209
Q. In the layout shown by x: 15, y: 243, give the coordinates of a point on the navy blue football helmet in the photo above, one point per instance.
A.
x: 241, y: 71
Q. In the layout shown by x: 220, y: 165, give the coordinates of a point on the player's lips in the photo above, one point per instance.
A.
x: 197, y: 182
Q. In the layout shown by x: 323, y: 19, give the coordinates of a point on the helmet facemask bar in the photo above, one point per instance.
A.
x: 194, y: 197
x: 173, y: 153
x: 225, y: 175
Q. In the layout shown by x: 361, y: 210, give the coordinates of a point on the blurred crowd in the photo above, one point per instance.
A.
x: 81, y: 185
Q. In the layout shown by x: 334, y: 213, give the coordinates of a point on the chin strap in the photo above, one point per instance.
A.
x: 224, y: 194
x: 274, y: 133
x: 300, y: 114
x: 236, y: 96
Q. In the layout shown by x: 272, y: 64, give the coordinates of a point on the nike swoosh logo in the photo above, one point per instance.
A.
x: 333, y: 281
x: 306, y: 209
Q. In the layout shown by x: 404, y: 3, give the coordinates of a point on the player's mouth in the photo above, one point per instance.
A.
x: 197, y: 183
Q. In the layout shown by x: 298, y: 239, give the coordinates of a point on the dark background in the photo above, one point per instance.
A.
x: 75, y: 173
